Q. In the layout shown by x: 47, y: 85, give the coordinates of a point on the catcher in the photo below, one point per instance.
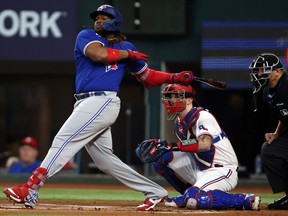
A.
x: 202, y: 166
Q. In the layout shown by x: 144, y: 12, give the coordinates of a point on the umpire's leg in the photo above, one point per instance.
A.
x: 274, y: 158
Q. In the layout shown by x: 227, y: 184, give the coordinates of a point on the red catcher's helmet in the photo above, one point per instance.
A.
x: 113, y: 25
x: 180, y: 92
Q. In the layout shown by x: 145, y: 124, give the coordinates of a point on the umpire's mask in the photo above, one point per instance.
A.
x: 261, y: 69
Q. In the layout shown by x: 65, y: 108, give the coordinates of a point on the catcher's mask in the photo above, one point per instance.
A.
x: 173, y: 96
x: 112, y: 25
x: 261, y: 69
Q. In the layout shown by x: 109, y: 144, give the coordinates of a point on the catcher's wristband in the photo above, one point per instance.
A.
x: 173, y: 146
x: 190, y: 145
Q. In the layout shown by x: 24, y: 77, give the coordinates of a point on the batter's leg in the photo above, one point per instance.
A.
x: 89, y: 118
x: 102, y: 154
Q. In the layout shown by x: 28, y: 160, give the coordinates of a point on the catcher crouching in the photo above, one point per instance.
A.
x: 202, y: 166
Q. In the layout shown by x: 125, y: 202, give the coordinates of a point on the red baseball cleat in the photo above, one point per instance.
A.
x: 22, y: 194
x: 149, y: 204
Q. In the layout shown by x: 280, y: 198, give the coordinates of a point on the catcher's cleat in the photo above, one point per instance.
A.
x: 149, y: 204
x: 252, y: 202
x: 23, y: 195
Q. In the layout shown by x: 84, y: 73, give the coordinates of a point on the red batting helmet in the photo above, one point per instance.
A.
x: 113, y: 25
x: 180, y: 92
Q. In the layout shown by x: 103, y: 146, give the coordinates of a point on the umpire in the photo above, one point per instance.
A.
x: 269, y: 76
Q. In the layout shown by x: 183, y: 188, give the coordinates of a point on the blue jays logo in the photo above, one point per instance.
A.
x: 111, y: 67
x: 201, y: 127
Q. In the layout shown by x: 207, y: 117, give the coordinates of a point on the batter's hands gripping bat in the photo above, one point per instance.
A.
x: 187, y: 77
x: 211, y: 82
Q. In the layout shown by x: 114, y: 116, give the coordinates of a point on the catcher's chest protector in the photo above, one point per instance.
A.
x: 182, y: 127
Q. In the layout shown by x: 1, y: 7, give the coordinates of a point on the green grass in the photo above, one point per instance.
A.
x: 113, y: 195
x: 91, y: 194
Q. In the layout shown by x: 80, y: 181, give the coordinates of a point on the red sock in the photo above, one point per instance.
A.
x: 37, y: 179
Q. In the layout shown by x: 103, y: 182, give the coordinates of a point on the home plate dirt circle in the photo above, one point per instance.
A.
x: 84, y: 208
x: 101, y: 208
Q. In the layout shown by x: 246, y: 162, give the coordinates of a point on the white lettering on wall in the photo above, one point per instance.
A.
x: 30, y: 23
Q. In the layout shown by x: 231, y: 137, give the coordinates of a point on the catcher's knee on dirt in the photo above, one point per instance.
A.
x: 197, y: 199
x: 200, y: 201
x: 161, y: 167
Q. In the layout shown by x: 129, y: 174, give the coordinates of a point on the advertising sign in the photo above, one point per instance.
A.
x: 37, y: 30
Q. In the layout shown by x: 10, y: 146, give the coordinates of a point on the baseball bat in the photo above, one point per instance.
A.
x: 211, y: 82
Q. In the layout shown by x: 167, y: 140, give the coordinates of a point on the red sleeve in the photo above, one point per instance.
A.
x: 150, y: 77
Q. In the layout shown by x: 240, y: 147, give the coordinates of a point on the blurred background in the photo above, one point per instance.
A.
x: 215, y: 39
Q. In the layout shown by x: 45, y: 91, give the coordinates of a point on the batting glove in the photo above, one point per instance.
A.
x: 134, y: 55
x: 184, y: 77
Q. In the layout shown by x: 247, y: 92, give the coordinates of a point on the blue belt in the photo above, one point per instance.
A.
x: 220, y: 137
x: 88, y: 94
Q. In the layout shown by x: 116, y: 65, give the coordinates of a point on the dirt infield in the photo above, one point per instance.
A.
x: 101, y: 208
x: 113, y: 208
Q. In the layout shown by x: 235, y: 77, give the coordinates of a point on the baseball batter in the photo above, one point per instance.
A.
x: 202, y: 166
x: 102, y: 56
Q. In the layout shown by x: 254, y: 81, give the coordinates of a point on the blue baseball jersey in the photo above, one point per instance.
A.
x: 96, y: 76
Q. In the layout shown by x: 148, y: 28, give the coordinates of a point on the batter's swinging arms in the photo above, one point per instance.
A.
x: 101, y: 56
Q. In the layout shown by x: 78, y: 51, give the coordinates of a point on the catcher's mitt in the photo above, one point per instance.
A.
x: 151, y: 150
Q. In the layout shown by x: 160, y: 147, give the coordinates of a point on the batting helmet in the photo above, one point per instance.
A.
x: 181, y: 92
x: 113, y: 25
x: 261, y: 69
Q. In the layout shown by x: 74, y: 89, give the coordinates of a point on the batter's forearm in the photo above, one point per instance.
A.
x: 150, y: 77
x: 114, y: 55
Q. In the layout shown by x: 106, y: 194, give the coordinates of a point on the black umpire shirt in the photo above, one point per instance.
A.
x: 277, y: 98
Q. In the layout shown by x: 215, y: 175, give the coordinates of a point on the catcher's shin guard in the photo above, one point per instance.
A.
x: 223, y: 200
x: 216, y: 199
x: 198, y: 199
x: 188, y: 199
x: 177, y: 201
